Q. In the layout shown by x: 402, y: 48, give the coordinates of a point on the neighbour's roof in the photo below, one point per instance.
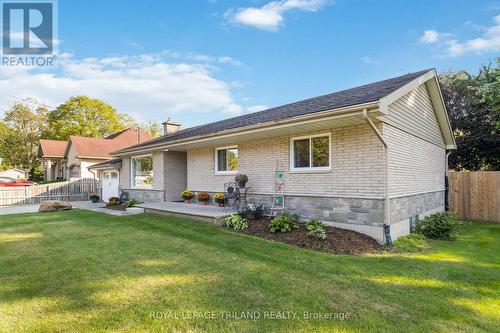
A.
x: 101, y: 148
x: 360, y: 95
x: 52, y: 148
x: 113, y: 163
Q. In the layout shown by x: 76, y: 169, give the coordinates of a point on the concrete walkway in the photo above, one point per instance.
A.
x: 86, y: 205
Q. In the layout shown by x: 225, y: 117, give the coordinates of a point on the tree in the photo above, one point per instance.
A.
x: 84, y: 116
x: 21, y: 131
x: 152, y: 128
x: 473, y: 104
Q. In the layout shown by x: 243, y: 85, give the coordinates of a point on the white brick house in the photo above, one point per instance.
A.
x: 360, y: 159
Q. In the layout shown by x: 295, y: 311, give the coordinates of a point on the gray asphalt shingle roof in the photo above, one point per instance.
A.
x: 359, y: 95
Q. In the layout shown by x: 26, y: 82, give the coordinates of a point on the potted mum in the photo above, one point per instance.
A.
x: 203, y: 198
x: 219, y: 199
x: 187, y: 195
x: 241, y: 179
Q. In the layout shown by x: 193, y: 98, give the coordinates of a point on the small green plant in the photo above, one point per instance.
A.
x: 284, y: 223
x: 203, y: 197
x: 438, y: 226
x: 219, y: 198
x: 132, y: 203
x: 315, y: 228
x: 187, y: 195
x: 241, y: 179
x: 412, y: 243
x: 236, y: 222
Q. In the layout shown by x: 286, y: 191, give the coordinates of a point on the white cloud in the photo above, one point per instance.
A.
x: 488, y: 41
x: 256, y: 108
x: 429, y: 37
x: 143, y: 86
x: 270, y: 16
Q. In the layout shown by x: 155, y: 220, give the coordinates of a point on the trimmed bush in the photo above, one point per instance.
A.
x: 438, y: 226
x: 284, y: 223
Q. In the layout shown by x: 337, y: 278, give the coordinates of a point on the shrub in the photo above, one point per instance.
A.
x: 438, y: 226
x: 241, y: 179
x: 187, y: 195
x: 114, y: 199
x: 219, y: 198
x: 315, y: 228
x: 236, y: 222
x: 132, y: 203
x: 284, y: 223
x: 94, y: 198
x: 203, y: 197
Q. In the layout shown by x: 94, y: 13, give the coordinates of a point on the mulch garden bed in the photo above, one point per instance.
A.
x: 338, y: 241
x: 118, y: 207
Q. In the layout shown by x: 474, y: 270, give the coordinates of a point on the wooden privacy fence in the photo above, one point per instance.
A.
x: 74, y: 190
x: 475, y: 195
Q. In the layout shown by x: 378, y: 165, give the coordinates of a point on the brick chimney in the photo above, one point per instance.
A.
x: 170, y: 127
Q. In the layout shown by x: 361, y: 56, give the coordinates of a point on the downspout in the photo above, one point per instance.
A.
x: 446, y: 183
x: 387, y: 204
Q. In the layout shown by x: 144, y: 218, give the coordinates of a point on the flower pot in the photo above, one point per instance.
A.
x: 187, y: 201
x: 204, y: 203
x: 241, y: 185
x: 221, y: 204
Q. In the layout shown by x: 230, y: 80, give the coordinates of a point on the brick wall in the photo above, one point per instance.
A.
x: 357, y: 166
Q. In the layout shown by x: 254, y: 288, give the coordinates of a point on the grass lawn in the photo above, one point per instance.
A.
x: 85, y: 271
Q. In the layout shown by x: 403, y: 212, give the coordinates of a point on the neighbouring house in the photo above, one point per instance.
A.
x: 15, y: 173
x: 371, y: 159
x: 72, y: 158
x: 51, y: 156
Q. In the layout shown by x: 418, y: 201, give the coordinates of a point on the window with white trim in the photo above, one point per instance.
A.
x: 226, y: 160
x: 142, y: 171
x: 310, y: 153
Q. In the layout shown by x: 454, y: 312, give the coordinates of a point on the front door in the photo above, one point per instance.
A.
x: 110, y: 184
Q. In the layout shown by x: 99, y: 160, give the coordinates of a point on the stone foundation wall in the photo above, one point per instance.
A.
x: 405, y: 207
x: 146, y: 195
x: 334, y: 209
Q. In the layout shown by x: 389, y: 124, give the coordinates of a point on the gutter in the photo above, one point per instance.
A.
x: 387, y: 203
x: 339, y: 112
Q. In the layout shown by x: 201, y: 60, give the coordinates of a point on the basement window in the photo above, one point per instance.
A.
x: 413, y: 222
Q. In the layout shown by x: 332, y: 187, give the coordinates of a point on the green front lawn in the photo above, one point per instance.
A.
x: 85, y: 271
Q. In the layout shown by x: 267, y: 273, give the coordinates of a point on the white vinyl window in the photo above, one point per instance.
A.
x: 226, y: 160
x: 141, y: 171
x: 310, y: 153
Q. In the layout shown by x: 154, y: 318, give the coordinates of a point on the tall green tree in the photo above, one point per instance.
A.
x: 21, y: 131
x: 84, y: 116
x: 473, y: 104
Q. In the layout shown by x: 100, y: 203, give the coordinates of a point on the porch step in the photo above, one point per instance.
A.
x: 210, y: 214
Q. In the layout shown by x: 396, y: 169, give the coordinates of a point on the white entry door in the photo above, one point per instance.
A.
x: 110, y: 182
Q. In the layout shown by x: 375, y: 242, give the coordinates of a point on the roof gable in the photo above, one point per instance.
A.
x: 52, y: 148
x: 101, y: 148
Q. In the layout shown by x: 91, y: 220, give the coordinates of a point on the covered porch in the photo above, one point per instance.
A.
x: 209, y: 213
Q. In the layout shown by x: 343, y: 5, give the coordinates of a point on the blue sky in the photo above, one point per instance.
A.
x: 201, y: 61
